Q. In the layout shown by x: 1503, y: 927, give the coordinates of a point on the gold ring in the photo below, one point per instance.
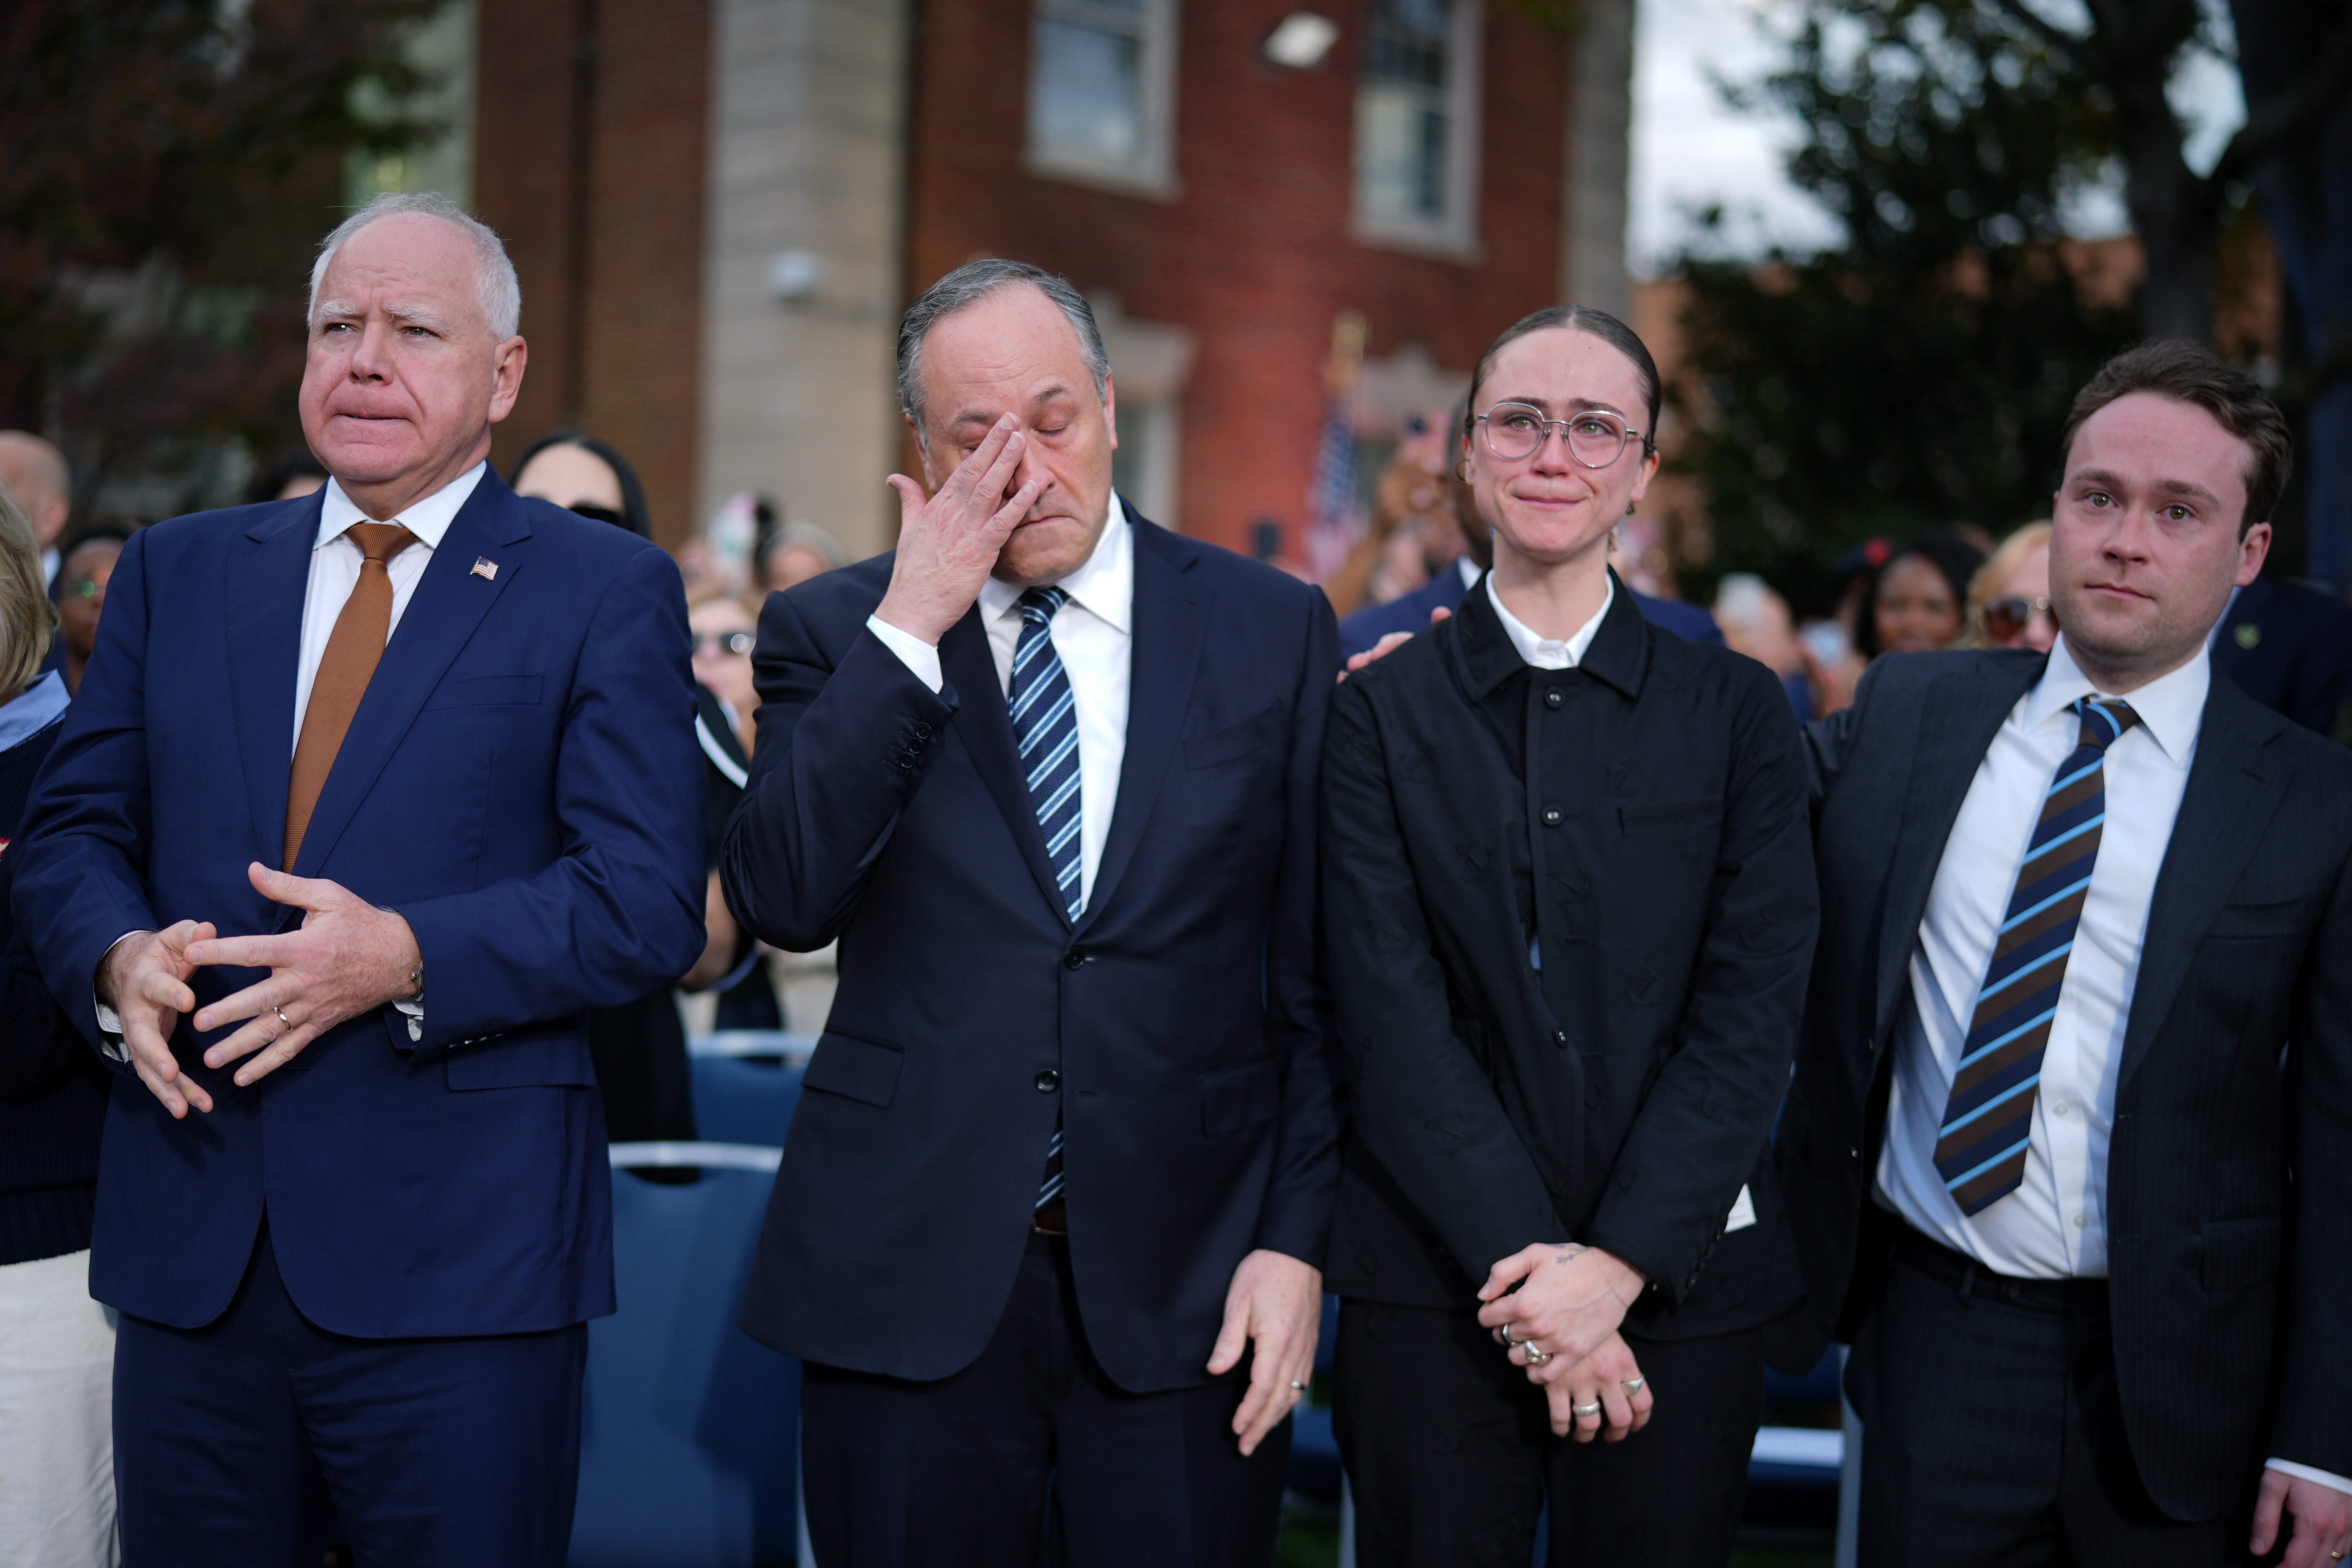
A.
x: 282, y: 1018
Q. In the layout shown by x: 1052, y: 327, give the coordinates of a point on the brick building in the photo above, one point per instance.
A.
x: 719, y: 208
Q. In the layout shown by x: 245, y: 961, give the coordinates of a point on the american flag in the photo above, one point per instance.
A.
x: 1335, y: 519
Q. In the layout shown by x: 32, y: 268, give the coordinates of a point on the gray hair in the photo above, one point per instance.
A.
x: 27, y: 618
x: 969, y: 284
x: 494, y: 275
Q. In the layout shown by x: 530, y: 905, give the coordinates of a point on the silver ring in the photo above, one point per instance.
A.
x: 1508, y: 1341
x: 1632, y: 1385
x: 1297, y: 1388
x: 1538, y: 1357
x: 282, y: 1018
x: 1591, y: 1409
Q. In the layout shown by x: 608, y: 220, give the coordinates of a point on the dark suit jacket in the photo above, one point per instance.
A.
x: 1644, y: 815
x: 2229, y: 1191
x: 511, y: 784
x: 2290, y: 649
x: 1183, y: 1015
x: 1409, y: 613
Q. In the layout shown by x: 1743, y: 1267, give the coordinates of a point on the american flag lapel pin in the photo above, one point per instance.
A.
x: 486, y: 569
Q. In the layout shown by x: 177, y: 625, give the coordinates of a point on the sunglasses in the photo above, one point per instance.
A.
x: 725, y: 642
x: 2009, y: 615
x: 600, y: 513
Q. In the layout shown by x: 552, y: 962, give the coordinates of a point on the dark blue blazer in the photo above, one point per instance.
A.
x: 521, y: 782
x: 2290, y: 649
x: 1367, y: 626
x: 1179, y: 1026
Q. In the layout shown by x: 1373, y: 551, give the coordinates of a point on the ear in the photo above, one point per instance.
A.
x: 1110, y: 410
x: 1649, y: 470
x: 2252, y: 550
x: 505, y: 376
x: 932, y: 476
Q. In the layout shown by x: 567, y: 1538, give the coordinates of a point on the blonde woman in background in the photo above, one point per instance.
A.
x: 57, y: 1345
x: 2009, y: 597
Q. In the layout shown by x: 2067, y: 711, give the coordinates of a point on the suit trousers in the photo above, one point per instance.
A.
x: 236, y: 1443
x: 1032, y: 1455
x: 1993, y: 1434
x: 1451, y: 1455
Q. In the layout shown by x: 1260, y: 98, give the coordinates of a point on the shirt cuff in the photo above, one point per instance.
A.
x: 2305, y: 1473
x: 913, y: 652
x: 111, y: 1043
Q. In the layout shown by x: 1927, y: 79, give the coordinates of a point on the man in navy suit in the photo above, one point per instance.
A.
x: 1054, y: 1202
x: 365, y: 799
x: 1409, y: 613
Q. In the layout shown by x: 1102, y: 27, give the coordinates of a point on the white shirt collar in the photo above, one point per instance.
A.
x: 1104, y: 584
x: 1543, y: 653
x: 428, y: 518
x: 1469, y: 570
x: 2170, y: 708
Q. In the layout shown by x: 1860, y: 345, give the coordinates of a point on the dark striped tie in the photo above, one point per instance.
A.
x: 1988, y: 1121
x: 1046, y: 722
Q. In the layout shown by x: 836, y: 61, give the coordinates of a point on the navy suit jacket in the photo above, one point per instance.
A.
x: 2290, y: 649
x: 1367, y: 626
x: 520, y: 783
x: 1179, y: 1026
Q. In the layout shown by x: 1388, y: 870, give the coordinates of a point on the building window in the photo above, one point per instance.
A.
x: 1417, y: 125
x: 1102, y: 78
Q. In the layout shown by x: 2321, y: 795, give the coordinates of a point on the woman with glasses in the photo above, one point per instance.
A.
x: 2009, y: 598
x: 1568, y: 897
x: 80, y: 592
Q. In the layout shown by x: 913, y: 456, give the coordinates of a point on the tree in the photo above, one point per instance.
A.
x: 1918, y: 375
x: 168, y: 166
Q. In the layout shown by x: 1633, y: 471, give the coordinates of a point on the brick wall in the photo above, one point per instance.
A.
x: 612, y: 286
x: 1254, y: 254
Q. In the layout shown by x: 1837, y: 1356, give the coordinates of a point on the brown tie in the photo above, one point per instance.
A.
x: 352, y: 650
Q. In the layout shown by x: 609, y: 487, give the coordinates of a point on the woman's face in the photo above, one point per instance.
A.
x: 81, y: 591
x: 1547, y: 507
x: 572, y: 477
x: 716, y: 624
x: 2028, y: 586
x: 1914, y: 608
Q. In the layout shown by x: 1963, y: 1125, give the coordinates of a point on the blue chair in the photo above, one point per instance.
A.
x: 690, y: 1456
x: 743, y: 1099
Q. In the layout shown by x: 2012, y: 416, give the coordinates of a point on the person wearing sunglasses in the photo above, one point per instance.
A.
x: 1568, y: 894
x: 584, y: 475
x: 2009, y: 597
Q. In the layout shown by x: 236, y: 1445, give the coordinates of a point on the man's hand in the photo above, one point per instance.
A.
x: 1379, y: 650
x: 1600, y: 1378
x: 948, y: 544
x: 1276, y: 1302
x: 348, y: 958
x: 144, y: 978
x: 2323, y: 1520
x: 1571, y: 1300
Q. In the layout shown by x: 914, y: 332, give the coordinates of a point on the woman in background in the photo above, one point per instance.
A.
x: 2009, y: 598
x: 57, y: 1345
x: 1915, y: 599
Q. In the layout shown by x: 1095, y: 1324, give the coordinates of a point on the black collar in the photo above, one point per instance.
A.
x: 1619, y: 653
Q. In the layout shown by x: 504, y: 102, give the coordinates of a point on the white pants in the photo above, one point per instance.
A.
x: 57, y: 1417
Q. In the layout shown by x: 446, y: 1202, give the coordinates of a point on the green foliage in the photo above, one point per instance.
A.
x: 1915, y: 376
x: 168, y: 166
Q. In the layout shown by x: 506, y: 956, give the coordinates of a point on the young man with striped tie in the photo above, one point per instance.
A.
x: 2066, y: 1149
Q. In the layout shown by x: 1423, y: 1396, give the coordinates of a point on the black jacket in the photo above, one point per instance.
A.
x: 2229, y: 1188
x: 1643, y: 819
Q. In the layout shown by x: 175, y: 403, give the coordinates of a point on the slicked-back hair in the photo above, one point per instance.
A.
x: 969, y: 284
x: 497, y: 288
x: 1579, y: 318
x: 2192, y: 373
x: 27, y: 618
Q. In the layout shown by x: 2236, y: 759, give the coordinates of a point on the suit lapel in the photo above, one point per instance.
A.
x: 1958, y: 716
x: 2233, y: 789
x: 986, y: 729
x: 269, y: 577
x: 1171, y: 620
x: 450, y: 603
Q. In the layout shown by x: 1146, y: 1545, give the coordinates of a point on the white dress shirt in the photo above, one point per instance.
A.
x: 335, y: 562
x: 1546, y: 653
x: 1093, y: 635
x: 2055, y: 1225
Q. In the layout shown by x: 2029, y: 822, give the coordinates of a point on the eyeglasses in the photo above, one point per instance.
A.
x: 725, y: 642
x: 1595, y: 436
x: 81, y: 588
x: 2009, y: 615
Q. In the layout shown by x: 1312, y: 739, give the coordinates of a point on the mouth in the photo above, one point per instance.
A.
x: 2116, y: 590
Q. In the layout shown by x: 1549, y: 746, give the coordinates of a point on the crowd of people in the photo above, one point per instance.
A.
x: 1604, y: 998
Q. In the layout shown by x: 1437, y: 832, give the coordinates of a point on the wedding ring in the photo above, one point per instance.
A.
x: 1297, y: 1388
x: 1632, y: 1385
x: 1508, y: 1341
x: 1591, y: 1409
x: 282, y: 1018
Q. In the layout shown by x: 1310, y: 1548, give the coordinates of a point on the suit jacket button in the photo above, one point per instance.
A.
x: 1553, y: 697
x: 1048, y: 1080
x: 1559, y: 1039
x: 1551, y: 817
x: 1074, y: 959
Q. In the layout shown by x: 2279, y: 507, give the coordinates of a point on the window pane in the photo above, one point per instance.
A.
x: 1086, y: 91
x: 1400, y: 155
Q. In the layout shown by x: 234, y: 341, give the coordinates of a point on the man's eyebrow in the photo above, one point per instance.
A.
x: 981, y: 417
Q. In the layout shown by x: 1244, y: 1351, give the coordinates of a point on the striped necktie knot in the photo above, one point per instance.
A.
x: 2104, y: 720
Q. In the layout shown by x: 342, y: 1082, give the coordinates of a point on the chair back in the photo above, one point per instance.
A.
x: 744, y: 1100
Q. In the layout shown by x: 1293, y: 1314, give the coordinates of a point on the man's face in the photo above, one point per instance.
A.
x: 32, y: 472
x: 404, y: 378
x: 1014, y: 352
x: 1547, y: 507
x: 2144, y: 547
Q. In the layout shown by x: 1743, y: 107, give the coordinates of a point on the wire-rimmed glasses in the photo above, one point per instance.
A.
x: 1595, y: 437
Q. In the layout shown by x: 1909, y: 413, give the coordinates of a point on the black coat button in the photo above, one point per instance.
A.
x: 1048, y: 1080
x: 1559, y: 1039
x: 1554, y: 696
x: 1074, y: 959
x: 1551, y: 817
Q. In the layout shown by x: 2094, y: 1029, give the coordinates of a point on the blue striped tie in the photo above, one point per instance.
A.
x: 1046, y: 722
x: 1988, y: 1121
